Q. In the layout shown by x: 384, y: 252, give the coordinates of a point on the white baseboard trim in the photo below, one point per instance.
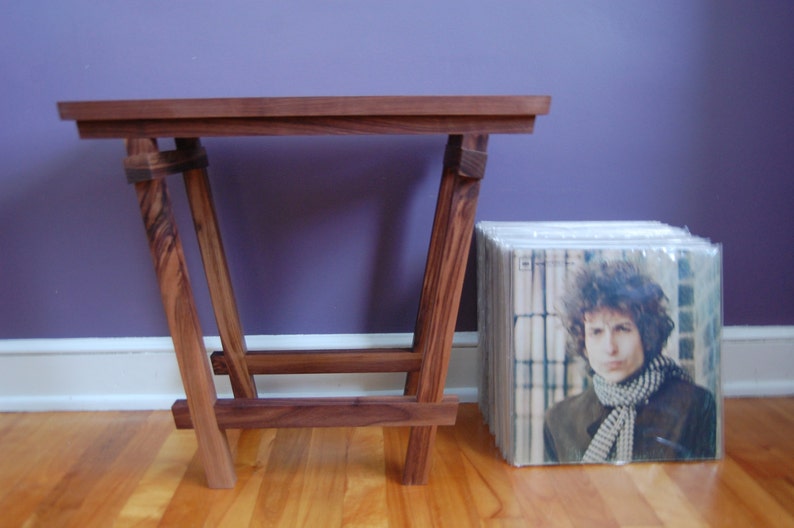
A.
x: 141, y: 373
x: 758, y: 361
x: 95, y: 374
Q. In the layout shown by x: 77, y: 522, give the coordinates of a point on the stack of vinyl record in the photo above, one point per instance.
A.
x: 525, y: 269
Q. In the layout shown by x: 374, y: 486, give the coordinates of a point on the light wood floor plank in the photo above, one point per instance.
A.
x: 35, y: 463
x: 253, y: 450
x: 491, y: 489
x: 278, y: 502
x: 622, y: 497
x: 191, y: 502
x: 407, y: 505
x: 65, y: 504
x: 118, y: 478
x: 154, y: 491
x: 364, y: 502
x: 449, y: 492
x: 671, y: 504
x: 761, y: 434
x: 322, y: 491
x: 580, y: 499
x: 540, y: 502
x: 761, y: 507
x: 134, y: 469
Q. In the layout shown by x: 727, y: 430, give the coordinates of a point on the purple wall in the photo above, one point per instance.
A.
x: 676, y: 111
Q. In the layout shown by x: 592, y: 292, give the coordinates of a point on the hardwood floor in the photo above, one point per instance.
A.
x: 136, y: 469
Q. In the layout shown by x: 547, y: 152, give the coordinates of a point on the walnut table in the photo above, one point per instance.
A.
x: 467, y: 120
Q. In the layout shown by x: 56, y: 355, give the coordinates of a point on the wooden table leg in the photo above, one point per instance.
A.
x: 180, y: 310
x: 216, y: 269
x: 450, y: 241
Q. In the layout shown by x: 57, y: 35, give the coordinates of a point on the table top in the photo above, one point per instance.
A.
x: 251, y: 116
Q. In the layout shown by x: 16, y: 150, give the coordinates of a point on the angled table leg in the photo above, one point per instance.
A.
x: 468, y: 118
x: 464, y: 167
x: 216, y: 269
x: 180, y: 310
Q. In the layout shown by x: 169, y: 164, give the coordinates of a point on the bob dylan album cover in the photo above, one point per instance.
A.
x: 616, y: 355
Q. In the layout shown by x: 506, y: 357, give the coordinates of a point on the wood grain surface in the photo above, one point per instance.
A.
x: 136, y: 469
x: 467, y: 120
x: 305, y: 116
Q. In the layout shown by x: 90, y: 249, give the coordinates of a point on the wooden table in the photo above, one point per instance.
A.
x: 467, y: 120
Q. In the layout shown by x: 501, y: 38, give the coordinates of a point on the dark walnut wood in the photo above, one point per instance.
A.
x: 183, y: 322
x: 467, y: 120
x: 324, y: 361
x: 305, y: 116
x: 385, y: 411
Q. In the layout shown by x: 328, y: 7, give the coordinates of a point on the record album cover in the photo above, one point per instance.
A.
x: 599, y: 341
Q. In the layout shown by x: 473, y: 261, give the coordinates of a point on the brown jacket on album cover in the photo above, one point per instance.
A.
x: 679, y: 422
